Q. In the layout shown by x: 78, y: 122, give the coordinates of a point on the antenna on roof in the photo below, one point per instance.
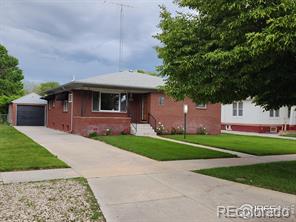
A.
x: 120, y: 30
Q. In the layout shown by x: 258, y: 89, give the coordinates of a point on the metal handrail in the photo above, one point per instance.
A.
x: 153, y: 123
x: 134, y: 125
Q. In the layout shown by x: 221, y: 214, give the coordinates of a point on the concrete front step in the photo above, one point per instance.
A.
x: 142, y: 130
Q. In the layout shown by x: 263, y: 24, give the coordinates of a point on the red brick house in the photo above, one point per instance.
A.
x: 123, y: 102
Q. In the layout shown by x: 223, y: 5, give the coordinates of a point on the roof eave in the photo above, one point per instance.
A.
x: 77, y: 84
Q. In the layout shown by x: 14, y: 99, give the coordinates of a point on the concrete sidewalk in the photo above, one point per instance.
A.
x: 268, y: 135
x: 37, y: 175
x: 132, y: 188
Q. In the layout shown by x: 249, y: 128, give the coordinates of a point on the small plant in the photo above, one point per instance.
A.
x: 177, y: 130
x: 125, y: 132
x: 108, y: 132
x: 92, y: 135
x: 160, y: 129
x: 202, y: 130
x: 180, y: 130
x: 173, y: 131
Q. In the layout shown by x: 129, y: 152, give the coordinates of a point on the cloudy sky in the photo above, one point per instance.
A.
x: 56, y: 39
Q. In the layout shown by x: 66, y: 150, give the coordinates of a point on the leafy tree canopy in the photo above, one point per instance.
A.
x: 43, y: 87
x: 229, y: 50
x: 11, y: 77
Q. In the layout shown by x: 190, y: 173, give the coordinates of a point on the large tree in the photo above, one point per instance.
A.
x: 43, y: 87
x: 11, y: 77
x: 228, y: 50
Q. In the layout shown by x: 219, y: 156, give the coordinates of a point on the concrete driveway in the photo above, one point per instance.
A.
x: 131, y: 188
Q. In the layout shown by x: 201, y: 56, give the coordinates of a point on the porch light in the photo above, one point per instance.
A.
x: 185, y: 108
x: 185, y: 111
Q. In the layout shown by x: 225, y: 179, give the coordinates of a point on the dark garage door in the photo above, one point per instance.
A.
x: 30, y: 115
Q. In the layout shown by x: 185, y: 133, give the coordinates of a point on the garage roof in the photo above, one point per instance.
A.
x: 30, y: 99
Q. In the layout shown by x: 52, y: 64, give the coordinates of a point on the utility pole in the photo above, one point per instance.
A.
x: 120, y: 53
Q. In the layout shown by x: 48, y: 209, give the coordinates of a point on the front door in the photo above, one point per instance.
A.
x: 144, y: 109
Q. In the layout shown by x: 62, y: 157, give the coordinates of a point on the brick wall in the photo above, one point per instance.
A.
x: 86, y: 125
x: 86, y: 121
x: 171, y: 114
x: 12, y: 113
x: 57, y: 118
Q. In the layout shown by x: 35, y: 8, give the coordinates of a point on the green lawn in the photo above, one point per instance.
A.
x: 160, y: 149
x: 18, y: 152
x: 246, y: 144
x: 280, y: 176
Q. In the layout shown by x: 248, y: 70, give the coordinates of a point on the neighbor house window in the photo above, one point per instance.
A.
x: 274, y: 113
x: 201, y: 105
x: 237, y: 109
x: 240, y: 108
x: 114, y: 102
x: 161, y: 100
x: 65, y: 106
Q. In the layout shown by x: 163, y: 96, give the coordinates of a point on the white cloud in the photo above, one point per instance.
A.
x: 54, y: 39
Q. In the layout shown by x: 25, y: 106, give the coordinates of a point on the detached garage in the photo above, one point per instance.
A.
x: 28, y: 110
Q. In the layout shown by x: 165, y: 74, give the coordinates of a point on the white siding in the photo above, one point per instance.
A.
x: 253, y: 114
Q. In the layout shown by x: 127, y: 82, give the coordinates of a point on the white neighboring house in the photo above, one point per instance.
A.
x: 246, y: 116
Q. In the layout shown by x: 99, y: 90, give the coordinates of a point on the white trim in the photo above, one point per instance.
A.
x: 65, y: 106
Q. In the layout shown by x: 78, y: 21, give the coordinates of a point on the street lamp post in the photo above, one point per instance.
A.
x: 185, y: 111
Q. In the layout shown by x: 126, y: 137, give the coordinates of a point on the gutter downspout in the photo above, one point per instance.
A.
x: 71, y: 120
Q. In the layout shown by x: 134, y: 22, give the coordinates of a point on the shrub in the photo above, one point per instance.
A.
x: 173, y: 131
x: 108, y: 132
x: 92, y: 135
x: 125, y: 132
x: 160, y: 129
x: 202, y: 130
x: 177, y: 130
x: 180, y: 130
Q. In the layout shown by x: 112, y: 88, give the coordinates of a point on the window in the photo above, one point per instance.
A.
x: 109, y: 101
x: 201, y: 106
x: 161, y: 100
x: 96, y: 101
x: 240, y: 108
x: 114, y: 102
x: 123, y: 102
x: 70, y: 97
x: 274, y: 113
x: 237, y: 109
x: 234, y: 109
x: 65, y: 106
